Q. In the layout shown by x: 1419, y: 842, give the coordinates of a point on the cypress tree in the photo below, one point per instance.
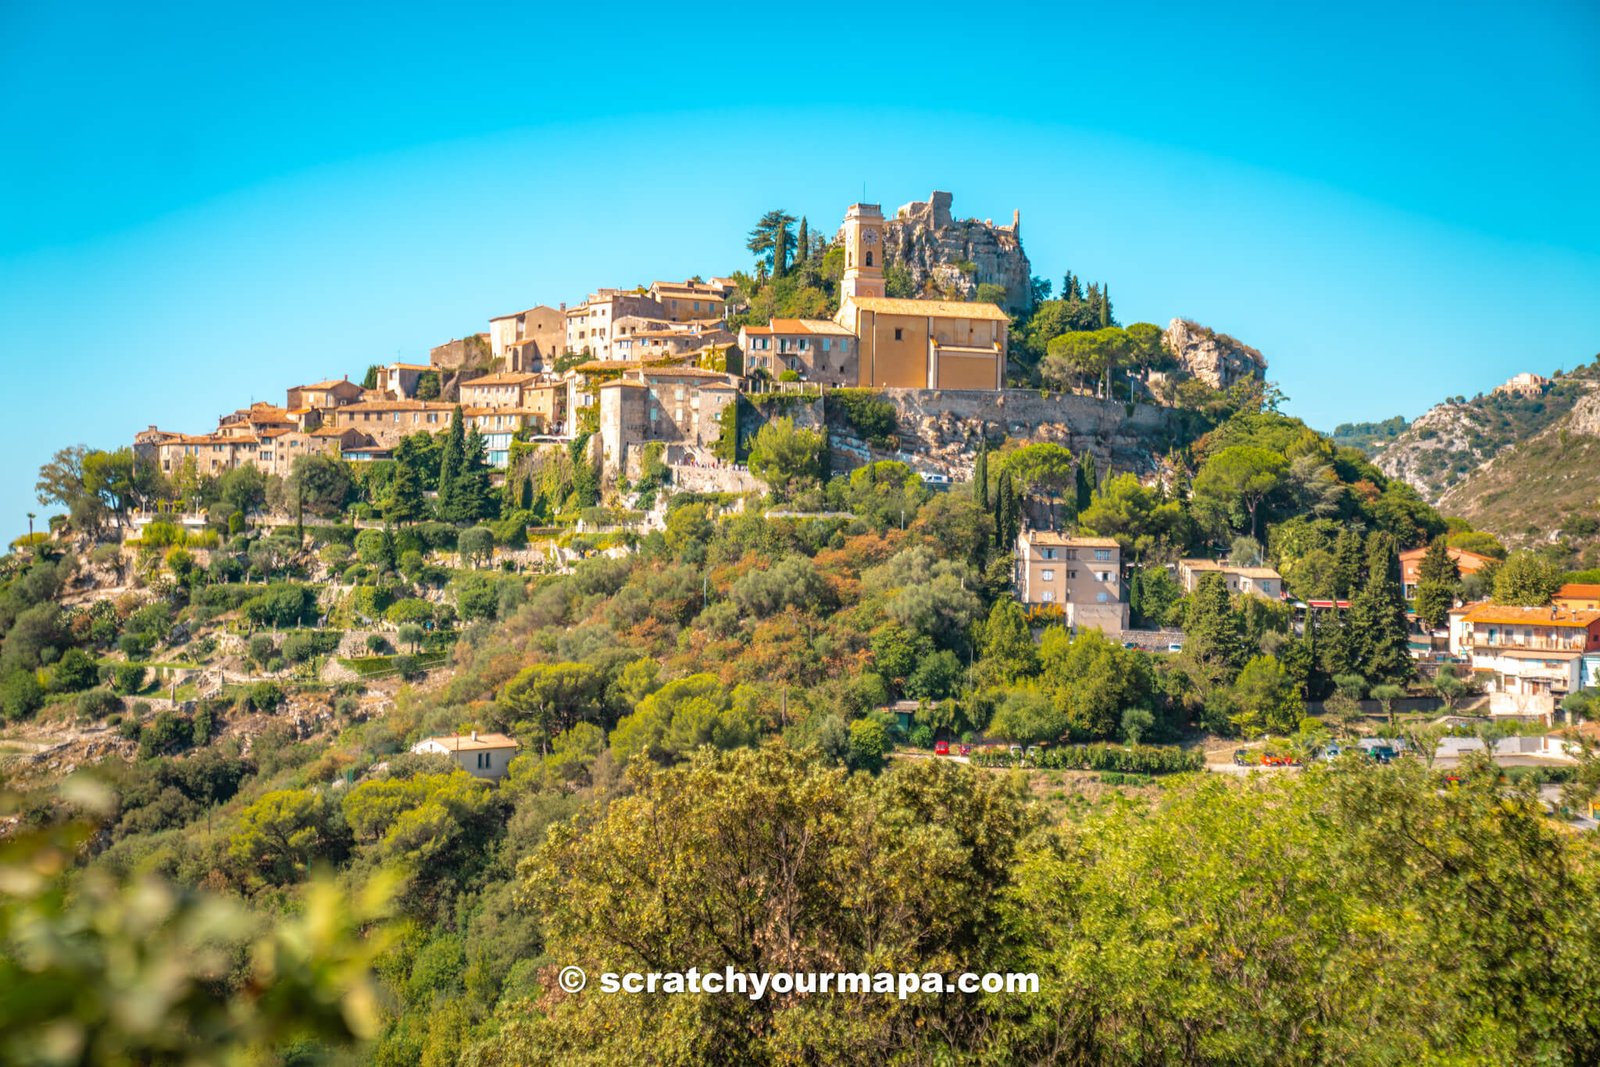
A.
x: 1347, y: 563
x: 1379, y: 634
x: 1007, y: 513
x: 473, y: 498
x: 405, y: 502
x: 802, y: 251
x: 1437, y: 577
x: 1105, y: 306
x: 1214, y: 631
x: 455, y: 443
x: 1085, y: 480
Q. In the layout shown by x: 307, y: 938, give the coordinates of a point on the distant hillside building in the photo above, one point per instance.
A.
x: 480, y: 755
x: 1081, y: 575
x: 679, y: 406
x: 1525, y: 384
x: 1254, y: 581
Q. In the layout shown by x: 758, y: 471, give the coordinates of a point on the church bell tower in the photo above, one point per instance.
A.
x: 863, y: 252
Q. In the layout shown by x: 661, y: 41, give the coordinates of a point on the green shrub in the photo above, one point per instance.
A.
x: 261, y: 648
x: 20, y: 694
x: 98, y: 703
x: 409, y: 610
x: 263, y: 696
x: 168, y: 733
x: 378, y: 644
x: 130, y: 678
x: 1131, y: 759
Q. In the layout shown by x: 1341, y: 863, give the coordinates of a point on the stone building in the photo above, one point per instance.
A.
x: 913, y: 344
x: 529, y: 340
x: 816, y: 349
x: 681, y: 407
x: 398, y: 381
x: 388, y: 421
x: 502, y: 390
x: 1263, y: 582
x: 474, y: 351
x: 591, y: 324
x: 691, y: 301
x: 1080, y: 575
x: 323, y: 395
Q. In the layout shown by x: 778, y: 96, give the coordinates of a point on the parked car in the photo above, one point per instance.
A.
x: 1016, y: 750
x: 1176, y: 646
x: 1382, y: 754
x: 1332, y: 752
x: 1241, y: 756
x: 941, y: 748
x: 966, y: 750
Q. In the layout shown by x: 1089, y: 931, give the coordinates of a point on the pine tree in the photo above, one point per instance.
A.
x: 1379, y: 634
x: 455, y: 443
x: 1437, y: 577
x: 980, y: 477
x: 1085, y: 480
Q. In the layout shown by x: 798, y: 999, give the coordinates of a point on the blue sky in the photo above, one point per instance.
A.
x: 201, y: 204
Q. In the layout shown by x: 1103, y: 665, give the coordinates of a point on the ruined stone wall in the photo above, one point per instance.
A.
x: 925, y: 238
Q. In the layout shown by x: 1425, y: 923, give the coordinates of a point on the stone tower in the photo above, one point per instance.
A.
x: 863, y: 252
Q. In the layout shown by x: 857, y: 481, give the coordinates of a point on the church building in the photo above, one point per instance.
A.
x: 913, y: 344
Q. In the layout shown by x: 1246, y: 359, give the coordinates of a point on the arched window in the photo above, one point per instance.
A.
x: 869, y: 259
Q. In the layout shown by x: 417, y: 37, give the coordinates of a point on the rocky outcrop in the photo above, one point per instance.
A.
x: 1214, y: 358
x: 951, y: 257
x: 1585, y: 418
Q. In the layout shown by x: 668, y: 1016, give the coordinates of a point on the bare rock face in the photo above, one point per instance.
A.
x: 952, y: 257
x: 1214, y: 358
x: 1585, y: 417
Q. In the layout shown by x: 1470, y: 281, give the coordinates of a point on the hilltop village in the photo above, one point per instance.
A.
x: 887, y: 590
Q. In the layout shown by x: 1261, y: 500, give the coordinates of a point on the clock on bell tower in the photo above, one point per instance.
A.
x: 863, y: 252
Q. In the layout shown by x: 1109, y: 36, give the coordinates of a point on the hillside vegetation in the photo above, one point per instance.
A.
x: 1455, y: 438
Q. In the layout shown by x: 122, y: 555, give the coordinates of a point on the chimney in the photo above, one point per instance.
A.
x: 474, y: 735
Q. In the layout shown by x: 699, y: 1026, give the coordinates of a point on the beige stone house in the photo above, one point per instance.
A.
x: 818, y: 350
x: 691, y: 301
x: 529, y: 340
x: 678, y: 406
x: 388, y: 421
x: 480, y: 755
x: 398, y: 381
x: 329, y: 394
x: 1255, y: 581
x: 503, y: 390
x: 591, y: 325
x: 1080, y: 575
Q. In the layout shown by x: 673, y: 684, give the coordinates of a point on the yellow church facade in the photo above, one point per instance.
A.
x: 913, y: 344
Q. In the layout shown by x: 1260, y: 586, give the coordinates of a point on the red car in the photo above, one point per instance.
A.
x: 941, y: 748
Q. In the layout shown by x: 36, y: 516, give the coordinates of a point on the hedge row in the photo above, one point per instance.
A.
x: 1135, y: 759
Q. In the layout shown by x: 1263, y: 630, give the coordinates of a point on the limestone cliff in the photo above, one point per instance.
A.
x: 1214, y: 358
x: 952, y: 257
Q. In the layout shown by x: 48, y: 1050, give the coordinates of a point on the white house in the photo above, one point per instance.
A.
x: 481, y: 755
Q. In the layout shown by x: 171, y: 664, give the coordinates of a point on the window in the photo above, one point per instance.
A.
x: 897, y: 334
x: 484, y: 761
x: 1047, y: 553
x: 869, y: 259
x: 1049, y: 596
x: 1047, y: 575
x: 1073, y: 575
x: 1099, y: 598
x: 1102, y: 554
